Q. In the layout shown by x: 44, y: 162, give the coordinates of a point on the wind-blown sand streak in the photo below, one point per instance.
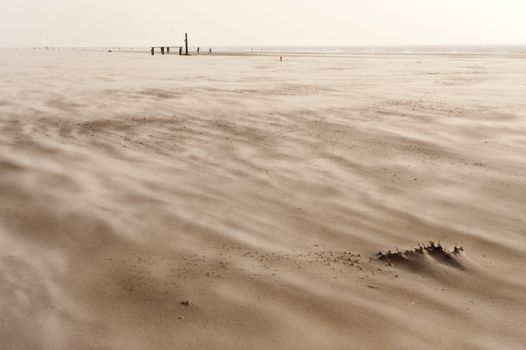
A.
x: 260, y: 192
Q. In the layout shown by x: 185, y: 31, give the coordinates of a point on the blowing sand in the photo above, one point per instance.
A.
x: 260, y: 192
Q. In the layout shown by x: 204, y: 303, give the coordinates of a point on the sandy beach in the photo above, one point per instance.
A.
x: 239, y: 202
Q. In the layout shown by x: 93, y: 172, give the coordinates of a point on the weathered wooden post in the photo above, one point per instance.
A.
x: 153, y: 51
x: 180, y: 50
x: 186, y: 43
x: 168, y: 50
x: 162, y: 50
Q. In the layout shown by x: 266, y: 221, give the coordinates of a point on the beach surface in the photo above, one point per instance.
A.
x: 239, y: 202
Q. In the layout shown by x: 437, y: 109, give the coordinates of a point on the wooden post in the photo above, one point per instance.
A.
x: 180, y: 50
x: 162, y: 50
x: 167, y: 50
x: 186, y: 43
x: 153, y: 51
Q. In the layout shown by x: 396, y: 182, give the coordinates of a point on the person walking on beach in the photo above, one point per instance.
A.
x: 198, y: 50
x: 153, y: 51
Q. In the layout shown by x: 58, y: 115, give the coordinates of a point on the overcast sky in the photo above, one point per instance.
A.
x: 261, y: 22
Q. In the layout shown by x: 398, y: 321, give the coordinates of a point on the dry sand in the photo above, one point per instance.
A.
x: 260, y: 192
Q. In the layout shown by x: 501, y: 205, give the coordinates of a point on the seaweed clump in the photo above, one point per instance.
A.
x: 431, y: 248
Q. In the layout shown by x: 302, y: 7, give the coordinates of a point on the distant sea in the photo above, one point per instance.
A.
x: 330, y: 50
x: 517, y: 49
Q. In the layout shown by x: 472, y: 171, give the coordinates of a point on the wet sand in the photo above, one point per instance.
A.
x: 260, y: 192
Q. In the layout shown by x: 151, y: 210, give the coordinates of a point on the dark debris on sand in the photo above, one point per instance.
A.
x: 432, y: 248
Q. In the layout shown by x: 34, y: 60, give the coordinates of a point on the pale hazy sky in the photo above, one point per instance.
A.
x: 261, y: 22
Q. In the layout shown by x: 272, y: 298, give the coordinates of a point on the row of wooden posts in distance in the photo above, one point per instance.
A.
x: 167, y: 48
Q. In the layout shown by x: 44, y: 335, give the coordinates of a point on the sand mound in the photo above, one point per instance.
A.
x: 418, y: 258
